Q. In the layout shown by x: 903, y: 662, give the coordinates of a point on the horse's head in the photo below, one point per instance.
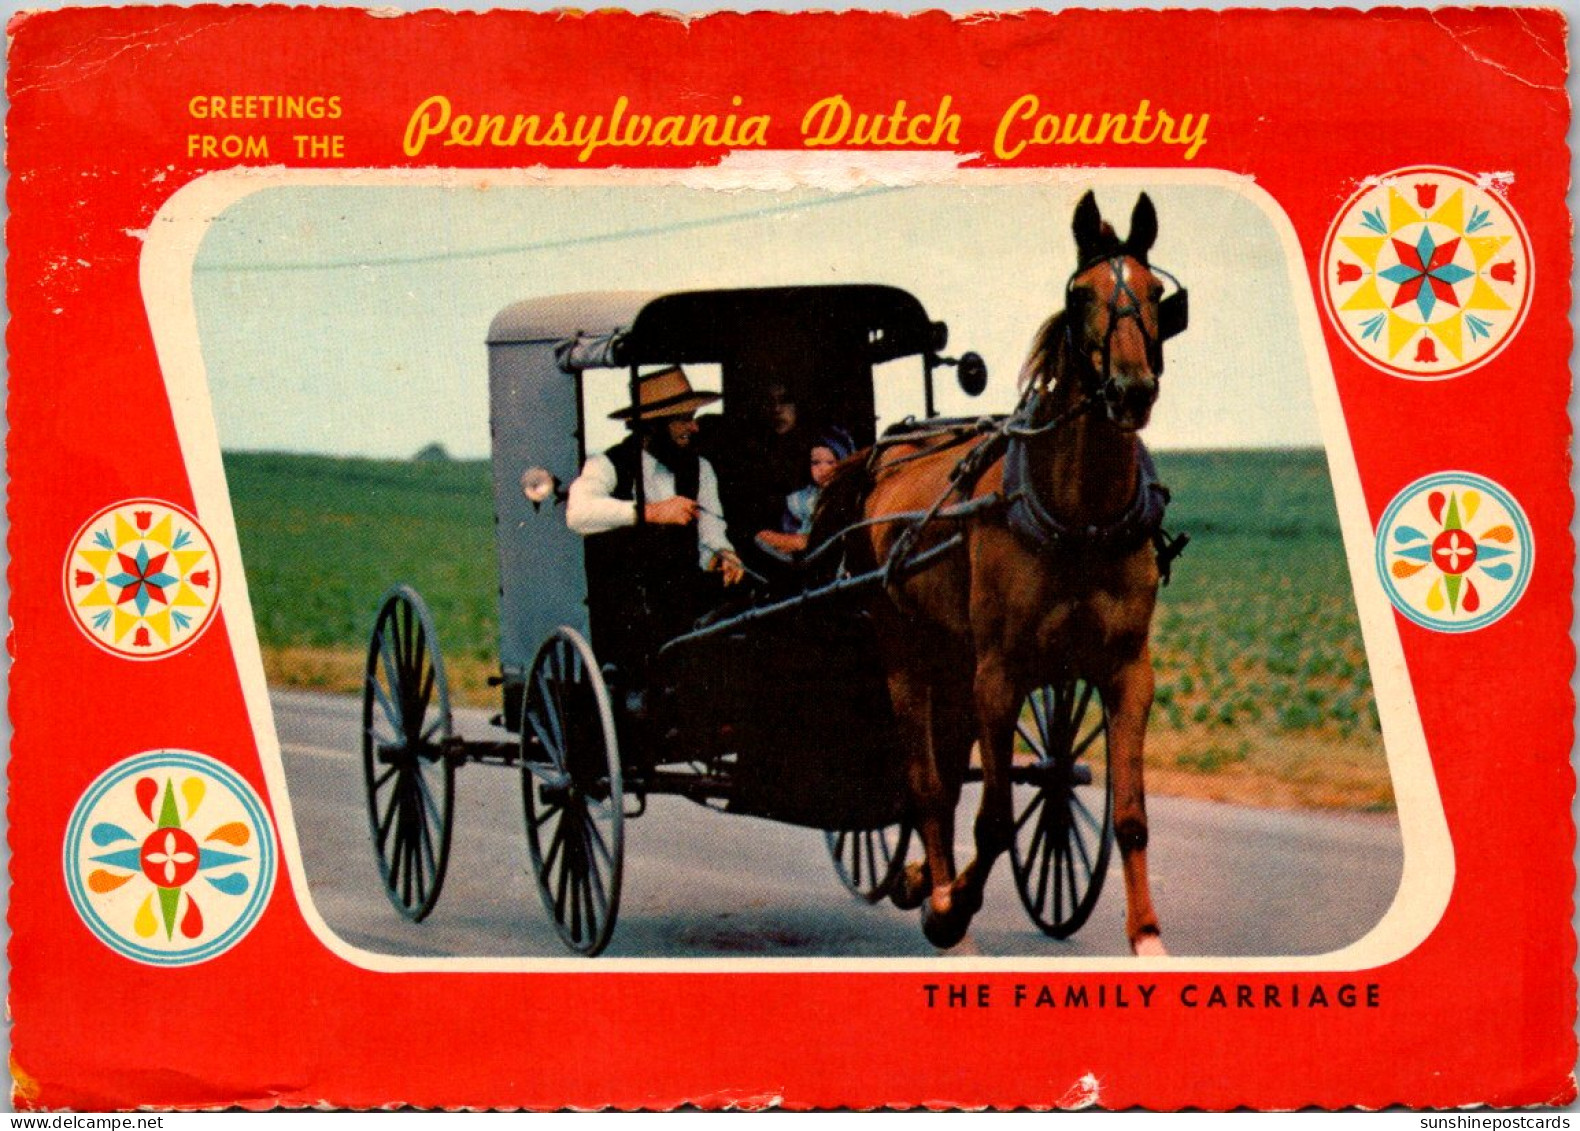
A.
x: 1116, y: 315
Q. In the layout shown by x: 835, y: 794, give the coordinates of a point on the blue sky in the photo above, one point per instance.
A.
x: 350, y: 319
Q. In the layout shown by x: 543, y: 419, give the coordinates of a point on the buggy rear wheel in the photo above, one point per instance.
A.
x: 409, y: 777
x: 869, y: 861
x: 571, y: 789
x: 1064, y: 806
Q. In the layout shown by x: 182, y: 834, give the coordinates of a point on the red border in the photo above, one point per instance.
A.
x: 1482, y: 1012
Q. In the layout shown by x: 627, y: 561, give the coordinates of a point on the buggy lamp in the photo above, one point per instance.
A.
x: 539, y: 485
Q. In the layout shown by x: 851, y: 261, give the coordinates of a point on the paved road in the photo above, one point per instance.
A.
x: 1227, y: 880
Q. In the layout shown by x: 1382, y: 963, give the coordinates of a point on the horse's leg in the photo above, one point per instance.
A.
x: 996, y: 703
x: 1128, y: 697
x: 933, y: 808
x: 950, y: 908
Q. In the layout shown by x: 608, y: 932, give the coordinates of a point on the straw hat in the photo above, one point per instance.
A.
x: 663, y: 394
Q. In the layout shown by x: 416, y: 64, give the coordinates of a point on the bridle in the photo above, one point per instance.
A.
x: 1124, y: 304
x: 1007, y: 439
x: 1028, y: 512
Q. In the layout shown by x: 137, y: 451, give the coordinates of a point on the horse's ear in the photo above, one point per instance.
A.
x: 1143, y: 228
x: 1088, y: 228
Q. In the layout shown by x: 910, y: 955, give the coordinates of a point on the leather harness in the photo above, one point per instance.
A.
x: 1030, y: 517
x: 1027, y: 513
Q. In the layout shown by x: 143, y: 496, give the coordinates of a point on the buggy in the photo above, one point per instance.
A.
x: 719, y: 714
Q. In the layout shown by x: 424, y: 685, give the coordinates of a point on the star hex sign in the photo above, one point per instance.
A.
x: 1426, y: 272
x: 141, y: 579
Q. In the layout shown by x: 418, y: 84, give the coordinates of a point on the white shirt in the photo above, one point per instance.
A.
x: 591, y: 507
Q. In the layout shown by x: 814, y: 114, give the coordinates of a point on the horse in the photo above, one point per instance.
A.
x: 1059, y: 578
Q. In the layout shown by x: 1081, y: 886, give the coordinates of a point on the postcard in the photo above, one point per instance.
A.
x: 591, y: 560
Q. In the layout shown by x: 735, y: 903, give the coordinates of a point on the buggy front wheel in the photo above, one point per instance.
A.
x: 571, y: 789
x: 1064, y: 806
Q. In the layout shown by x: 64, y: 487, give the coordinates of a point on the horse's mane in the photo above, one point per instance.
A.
x: 1039, y: 366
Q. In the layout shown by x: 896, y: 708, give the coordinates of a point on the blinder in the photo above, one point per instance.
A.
x: 1174, y: 310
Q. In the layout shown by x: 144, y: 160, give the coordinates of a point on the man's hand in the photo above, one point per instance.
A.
x: 729, y: 565
x: 678, y: 511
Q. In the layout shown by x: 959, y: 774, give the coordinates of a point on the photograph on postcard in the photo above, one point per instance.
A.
x: 425, y: 392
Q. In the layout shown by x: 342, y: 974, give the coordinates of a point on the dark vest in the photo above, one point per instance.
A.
x: 640, y: 579
x: 627, y: 459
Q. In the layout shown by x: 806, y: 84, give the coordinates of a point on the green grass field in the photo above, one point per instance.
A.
x: 1263, y: 690
x: 1259, y: 623
x: 323, y: 539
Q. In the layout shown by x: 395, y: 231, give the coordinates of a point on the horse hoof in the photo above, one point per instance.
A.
x: 967, y: 899
x: 1149, y: 946
x: 909, y: 889
x: 944, y: 929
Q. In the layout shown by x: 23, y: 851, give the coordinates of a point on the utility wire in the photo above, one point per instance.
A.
x: 546, y: 245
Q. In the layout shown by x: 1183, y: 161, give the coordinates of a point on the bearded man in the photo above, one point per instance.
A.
x: 651, y: 574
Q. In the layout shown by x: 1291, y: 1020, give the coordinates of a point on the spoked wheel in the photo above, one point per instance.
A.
x: 1064, y: 806
x: 571, y: 788
x: 868, y: 862
x: 405, y: 728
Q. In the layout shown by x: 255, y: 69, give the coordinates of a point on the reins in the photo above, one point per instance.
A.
x: 1080, y: 408
x: 962, y: 476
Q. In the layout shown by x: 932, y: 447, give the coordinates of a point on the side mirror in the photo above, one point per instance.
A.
x: 971, y: 372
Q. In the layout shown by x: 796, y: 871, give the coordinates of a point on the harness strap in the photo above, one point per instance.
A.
x: 957, y: 435
x: 732, y: 624
x: 1168, y: 547
x: 957, y: 513
x: 1027, y: 514
x: 1030, y: 517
